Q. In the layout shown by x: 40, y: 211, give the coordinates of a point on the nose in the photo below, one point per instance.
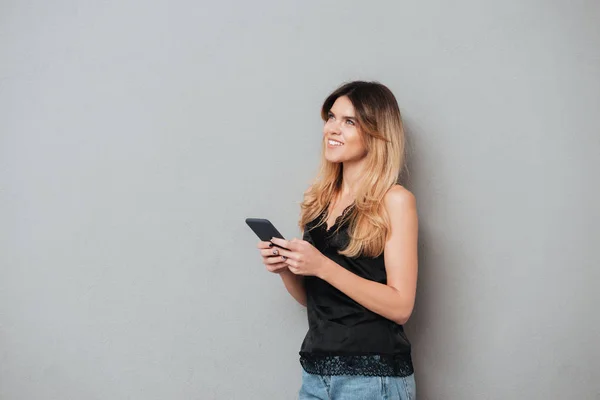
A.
x: 333, y: 127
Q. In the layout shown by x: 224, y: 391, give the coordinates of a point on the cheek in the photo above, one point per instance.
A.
x: 352, y: 138
x: 357, y: 148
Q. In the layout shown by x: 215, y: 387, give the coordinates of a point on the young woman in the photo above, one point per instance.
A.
x: 356, y: 267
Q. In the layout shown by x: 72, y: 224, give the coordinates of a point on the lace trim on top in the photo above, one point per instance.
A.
x: 369, y: 365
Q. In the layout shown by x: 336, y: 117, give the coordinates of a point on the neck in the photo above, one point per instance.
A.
x: 351, y: 172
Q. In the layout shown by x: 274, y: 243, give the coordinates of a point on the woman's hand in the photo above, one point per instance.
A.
x: 271, y: 257
x: 301, y: 257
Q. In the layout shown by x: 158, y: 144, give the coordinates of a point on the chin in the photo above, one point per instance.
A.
x: 335, y: 160
x: 331, y: 156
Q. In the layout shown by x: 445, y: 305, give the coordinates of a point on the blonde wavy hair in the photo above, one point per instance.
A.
x: 380, y: 125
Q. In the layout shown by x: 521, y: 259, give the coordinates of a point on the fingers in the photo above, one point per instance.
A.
x: 294, y: 270
x: 269, y: 260
x: 279, y: 259
x: 270, y: 252
x: 273, y: 257
x: 282, y: 243
x: 292, y: 251
x: 292, y: 263
x: 264, y: 245
x: 278, y: 267
x: 279, y: 254
x: 286, y: 253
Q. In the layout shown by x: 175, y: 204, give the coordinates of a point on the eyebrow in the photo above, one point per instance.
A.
x: 343, y: 116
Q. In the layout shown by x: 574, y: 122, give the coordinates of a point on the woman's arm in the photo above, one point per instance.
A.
x: 294, y: 285
x: 394, y: 300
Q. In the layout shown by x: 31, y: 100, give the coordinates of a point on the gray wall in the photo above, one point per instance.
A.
x: 135, y: 137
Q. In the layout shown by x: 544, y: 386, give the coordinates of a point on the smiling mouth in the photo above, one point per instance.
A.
x: 332, y: 142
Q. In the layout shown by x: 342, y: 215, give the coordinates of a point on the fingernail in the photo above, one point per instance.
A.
x: 284, y: 258
x: 270, y: 244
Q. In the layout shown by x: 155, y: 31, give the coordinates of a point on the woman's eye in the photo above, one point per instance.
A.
x: 350, y: 122
x: 330, y: 116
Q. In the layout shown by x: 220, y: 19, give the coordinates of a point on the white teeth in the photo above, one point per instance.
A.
x: 335, y: 143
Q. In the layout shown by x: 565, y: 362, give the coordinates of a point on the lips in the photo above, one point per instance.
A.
x: 333, y: 142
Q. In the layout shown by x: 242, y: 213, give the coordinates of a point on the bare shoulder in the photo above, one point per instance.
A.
x: 399, y: 199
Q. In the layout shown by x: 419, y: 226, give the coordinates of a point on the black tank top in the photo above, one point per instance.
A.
x: 345, y: 338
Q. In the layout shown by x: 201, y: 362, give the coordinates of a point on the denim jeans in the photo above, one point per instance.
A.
x: 346, y: 387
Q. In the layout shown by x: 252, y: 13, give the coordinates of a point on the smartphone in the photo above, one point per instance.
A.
x: 264, y: 229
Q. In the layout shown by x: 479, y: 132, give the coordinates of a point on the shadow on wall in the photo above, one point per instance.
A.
x: 433, y: 329
x: 420, y: 323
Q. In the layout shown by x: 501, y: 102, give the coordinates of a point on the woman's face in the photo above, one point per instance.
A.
x: 342, y: 136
